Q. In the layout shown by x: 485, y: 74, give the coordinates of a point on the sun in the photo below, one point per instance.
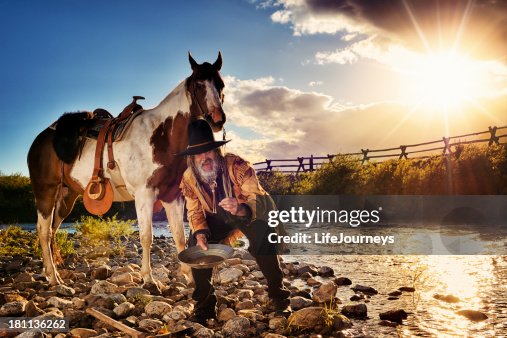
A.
x: 443, y: 81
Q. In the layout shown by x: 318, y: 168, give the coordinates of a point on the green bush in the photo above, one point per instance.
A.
x: 106, y: 232
x: 16, y: 241
x: 469, y: 170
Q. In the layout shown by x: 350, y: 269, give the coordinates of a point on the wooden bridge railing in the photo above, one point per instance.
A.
x: 494, y: 135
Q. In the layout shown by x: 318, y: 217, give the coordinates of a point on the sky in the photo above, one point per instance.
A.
x: 302, y: 76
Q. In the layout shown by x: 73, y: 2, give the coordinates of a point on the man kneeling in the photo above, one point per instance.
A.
x: 224, y: 201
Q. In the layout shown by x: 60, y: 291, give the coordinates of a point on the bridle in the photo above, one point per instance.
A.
x: 193, y: 95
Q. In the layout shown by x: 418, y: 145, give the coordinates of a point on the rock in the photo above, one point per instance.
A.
x: 12, y: 297
x: 226, y: 314
x: 236, y: 327
x: 255, y: 315
x: 407, y: 289
x: 302, y: 293
x: 103, y: 287
x: 298, y: 302
x: 393, y: 298
x: 157, y: 309
x: 326, y: 271
x: 65, y: 290
x: 83, y: 333
x: 308, y: 318
x: 32, y: 310
x: 257, y: 274
x: 274, y: 335
x: 59, y: 303
x: 245, y: 294
x: 151, y: 325
x: 124, y: 309
x: 174, y: 316
x: 102, y: 272
x: 396, y: 316
x: 306, y: 275
x: 355, y: 311
x: 122, y: 278
x: 13, y: 309
x: 117, y: 298
x: 233, y: 261
x: 447, y: 298
x: 325, y: 293
x: 395, y: 293
x: 78, y: 303
x: 247, y: 304
x: 230, y: 275
x: 307, y: 269
x: 341, y: 322
x: 387, y: 323
x: 33, y: 333
x: 312, y: 282
x: 24, y: 277
x: 135, y: 292
x: 278, y: 324
x: 365, y: 289
x: 342, y: 281
x: 204, y: 333
x: 473, y: 315
x: 356, y: 298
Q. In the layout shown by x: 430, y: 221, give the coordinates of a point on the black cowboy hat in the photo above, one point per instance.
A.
x: 200, y: 138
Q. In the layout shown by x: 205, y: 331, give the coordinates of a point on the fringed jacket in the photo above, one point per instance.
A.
x: 244, y: 184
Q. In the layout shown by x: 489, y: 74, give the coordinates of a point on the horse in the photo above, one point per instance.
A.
x: 145, y: 156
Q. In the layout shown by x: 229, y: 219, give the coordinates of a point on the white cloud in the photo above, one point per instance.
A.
x: 315, y: 83
x: 306, y: 22
x: 288, y: 123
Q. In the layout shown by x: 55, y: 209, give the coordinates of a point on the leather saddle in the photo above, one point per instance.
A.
x: 98, y: 195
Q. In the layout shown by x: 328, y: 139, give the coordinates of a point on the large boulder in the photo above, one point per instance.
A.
x: 308, y: 318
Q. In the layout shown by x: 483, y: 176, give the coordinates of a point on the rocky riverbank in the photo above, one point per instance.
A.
x: 97, y: 278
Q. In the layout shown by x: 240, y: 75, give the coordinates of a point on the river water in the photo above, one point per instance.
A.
x: 479, y: 281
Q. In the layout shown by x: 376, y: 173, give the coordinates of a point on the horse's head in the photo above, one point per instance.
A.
x: 206, y: 89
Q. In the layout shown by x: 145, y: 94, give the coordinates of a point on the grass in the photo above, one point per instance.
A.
x: 14, y: 241
x: 107, y: 232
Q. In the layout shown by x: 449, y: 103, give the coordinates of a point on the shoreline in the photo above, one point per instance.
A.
x: 100, y: 279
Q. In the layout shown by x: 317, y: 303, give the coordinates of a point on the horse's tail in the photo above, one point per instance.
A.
x: 69, y: 129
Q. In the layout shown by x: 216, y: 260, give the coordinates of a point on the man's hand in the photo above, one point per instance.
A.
x: 202, y: 241
x: 232, y: 205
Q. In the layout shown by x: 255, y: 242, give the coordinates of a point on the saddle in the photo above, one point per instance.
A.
x: 98, y: 195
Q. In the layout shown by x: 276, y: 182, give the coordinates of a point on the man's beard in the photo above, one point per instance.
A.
x: 207, y: 176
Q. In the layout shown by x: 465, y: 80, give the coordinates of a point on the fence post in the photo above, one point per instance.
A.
x: 268, y: 165
x: 330, y: 158
x: 493, y: 138
x: 403, y: 152
x: 447, y: 148
x: 365, y: 155
x: 301, y: 165
x: 311, y: 162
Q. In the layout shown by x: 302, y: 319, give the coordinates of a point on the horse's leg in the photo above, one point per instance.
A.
x: 44, y: 232
x: 174, y: 212
x: 64, y: 206
x: 144, y: 199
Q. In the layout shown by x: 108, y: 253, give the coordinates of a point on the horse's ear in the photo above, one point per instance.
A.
x: 218, y: 62
x: 193, y: 64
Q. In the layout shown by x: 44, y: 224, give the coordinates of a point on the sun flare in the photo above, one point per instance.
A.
x: 444, y: 81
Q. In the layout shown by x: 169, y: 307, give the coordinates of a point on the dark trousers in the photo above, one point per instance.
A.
x: 265, y: 254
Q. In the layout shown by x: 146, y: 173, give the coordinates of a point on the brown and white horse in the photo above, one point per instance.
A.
x: 145, y: 157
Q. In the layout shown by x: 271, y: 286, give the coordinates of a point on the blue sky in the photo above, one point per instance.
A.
x: 284, y: 62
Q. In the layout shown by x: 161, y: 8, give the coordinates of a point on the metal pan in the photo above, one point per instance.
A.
x: 198, y: 258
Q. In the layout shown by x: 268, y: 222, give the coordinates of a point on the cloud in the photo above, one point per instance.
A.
x: 288, y: 123
x: 476, y: 27
x: 315, y: 83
